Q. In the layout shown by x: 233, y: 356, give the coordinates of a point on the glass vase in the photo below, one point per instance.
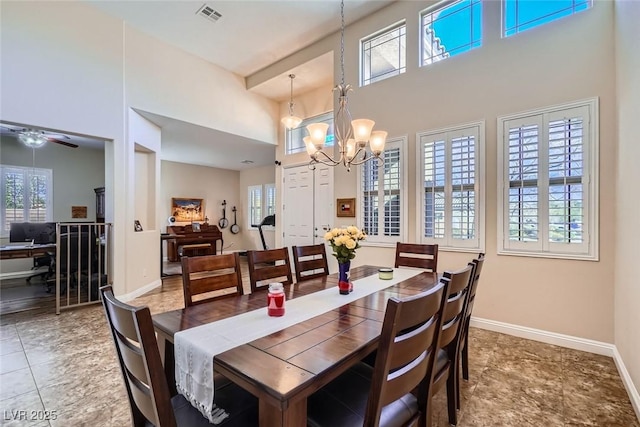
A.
x: 344, y: 285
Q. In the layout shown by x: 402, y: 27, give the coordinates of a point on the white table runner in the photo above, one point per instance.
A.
x: 196, y: 347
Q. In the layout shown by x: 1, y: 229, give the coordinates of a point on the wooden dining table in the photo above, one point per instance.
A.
x: 282, y: 369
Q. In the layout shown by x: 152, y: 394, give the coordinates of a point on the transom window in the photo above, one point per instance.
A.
x: 522, y: 15
x: 452, y: 187
x: 384, y: 54
x: 451, y: 29
x: 548, y: 173
x: 27, y: 194
x: 294, y: 142
x: 383, y: 197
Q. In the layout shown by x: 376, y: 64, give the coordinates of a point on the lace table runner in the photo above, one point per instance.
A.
x: 196, y: 347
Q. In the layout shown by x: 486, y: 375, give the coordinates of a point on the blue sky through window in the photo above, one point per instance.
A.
x: 522, y: 15
x: 459, y: 26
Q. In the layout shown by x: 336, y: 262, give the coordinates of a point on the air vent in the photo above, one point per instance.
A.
x: 247, y: 162
x: 208, y: 12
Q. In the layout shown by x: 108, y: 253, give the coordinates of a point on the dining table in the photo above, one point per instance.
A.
x: 283, y: 368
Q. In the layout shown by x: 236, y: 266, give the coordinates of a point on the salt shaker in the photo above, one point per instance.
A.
x: 275, y: 299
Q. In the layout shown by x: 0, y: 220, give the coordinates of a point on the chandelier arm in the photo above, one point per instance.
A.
x: 329, y: 161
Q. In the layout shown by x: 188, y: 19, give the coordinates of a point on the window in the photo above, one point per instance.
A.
x: 294, y: 142
x: 262, y: 202
x: 548, y: 171
x: 383, y: 197
x: 383, y: 55
x: 451, y: 185
x: 27, y: 193
x: 522, y: 15
x: 450, y: 30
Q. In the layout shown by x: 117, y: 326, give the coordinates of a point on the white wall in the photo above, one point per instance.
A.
x: 504, y: 76
x: 627, y: 284
x: 95, y: 69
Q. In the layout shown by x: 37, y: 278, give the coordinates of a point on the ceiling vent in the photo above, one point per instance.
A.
x: 208, y: 12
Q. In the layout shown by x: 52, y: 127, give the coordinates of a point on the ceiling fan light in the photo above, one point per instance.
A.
x: 32, y: 138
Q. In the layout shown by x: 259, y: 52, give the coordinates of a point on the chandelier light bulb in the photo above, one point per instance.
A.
x: 318, y: 134
x: 362, y: 129
x: 351, y: 149
x: 377, y: 142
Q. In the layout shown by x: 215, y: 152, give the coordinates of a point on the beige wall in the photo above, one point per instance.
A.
x: 211, y: 184
x: 504, y: 76
x: 627, y: 283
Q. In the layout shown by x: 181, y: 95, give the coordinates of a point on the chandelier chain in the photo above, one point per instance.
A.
x: 342, y: 42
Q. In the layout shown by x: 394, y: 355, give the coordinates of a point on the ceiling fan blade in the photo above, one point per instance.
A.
x: 57, y: 141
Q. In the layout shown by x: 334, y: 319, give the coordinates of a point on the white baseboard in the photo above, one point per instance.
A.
x: 567, y: 341
x: 561, y: 340
x: 632, y: 391
x: 141, y: 291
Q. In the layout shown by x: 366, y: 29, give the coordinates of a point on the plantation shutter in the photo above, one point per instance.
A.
x: 255, y: 205
x: 27, y: 195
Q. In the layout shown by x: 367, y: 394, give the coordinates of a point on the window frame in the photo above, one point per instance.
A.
x: 589, y: 249
x: 400, y: 142
x: 265, y: 206
x: 516, y: 29
x: 27, y: 172
x: 448, y: 243
x: 399, y: 70
x: 439, y: 6
x: 322, y: 117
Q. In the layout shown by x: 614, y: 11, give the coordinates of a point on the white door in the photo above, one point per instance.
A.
x: 308, y: 204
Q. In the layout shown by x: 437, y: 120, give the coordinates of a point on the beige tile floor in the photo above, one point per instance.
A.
x: 65, y: 367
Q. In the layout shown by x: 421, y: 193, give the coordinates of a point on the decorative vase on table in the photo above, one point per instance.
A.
x: 344, y: 242
x: 344, y: 285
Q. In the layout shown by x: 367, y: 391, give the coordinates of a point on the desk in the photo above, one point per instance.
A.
x: 26, y: 251
x: 283, y: 368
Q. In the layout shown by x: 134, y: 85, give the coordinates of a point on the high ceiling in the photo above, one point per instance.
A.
x: 249, y: 36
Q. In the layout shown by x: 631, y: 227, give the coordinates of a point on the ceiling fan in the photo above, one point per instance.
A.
x: 34, y: 138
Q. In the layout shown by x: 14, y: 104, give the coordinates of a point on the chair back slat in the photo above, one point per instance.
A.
x: 310, y: 262
x: 417, y: 256
x: 140, y: 363
x: 211, y: 273
x: 269, y: 265
x: 454, y: 310
x: 407, y: 348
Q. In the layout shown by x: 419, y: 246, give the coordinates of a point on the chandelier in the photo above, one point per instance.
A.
x: 352, y: 135
x: 32, y: 138
x: 291, y: 121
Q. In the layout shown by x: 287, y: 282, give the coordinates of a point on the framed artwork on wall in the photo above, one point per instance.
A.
x: 346, y: 207
x: 187, y: 210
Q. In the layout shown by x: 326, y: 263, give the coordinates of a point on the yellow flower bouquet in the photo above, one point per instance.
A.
x: 344, y: 242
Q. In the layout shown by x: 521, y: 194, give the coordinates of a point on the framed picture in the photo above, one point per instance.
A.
x: 137, y: 226
x: 346, y: 207
x: 187, y: 210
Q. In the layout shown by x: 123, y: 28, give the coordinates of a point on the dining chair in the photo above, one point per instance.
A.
x: 310, y: 261
x: 382, y: 395
x: 464, y: 344
x: 269, y: 265
x: 446, y: 365
x: 417, y: 255
x: 146, y: 383
x: 219, y: 276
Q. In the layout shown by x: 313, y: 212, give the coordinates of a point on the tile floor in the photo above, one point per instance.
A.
x: 65, y: 367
